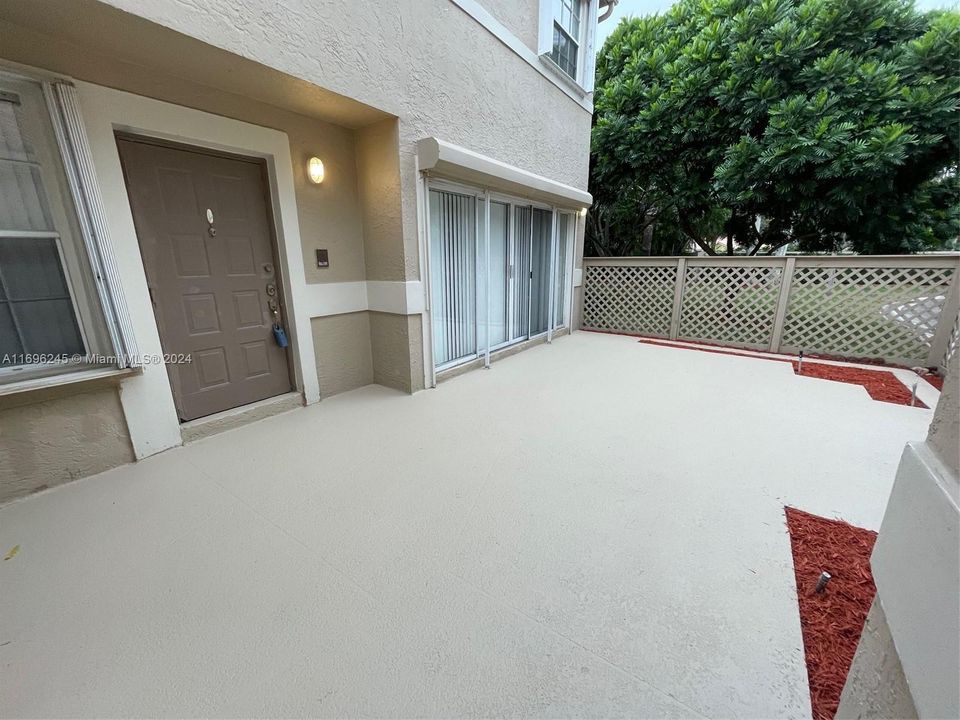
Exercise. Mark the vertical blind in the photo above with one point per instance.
(492, 287)
(453, 249)
(564, 240)
(520, 275)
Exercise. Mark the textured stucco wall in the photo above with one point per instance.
(876, 686)
(378, 163)
(521, 17)
(425, 61)
(342, 346)
(944, 435)
(392, 337)
(329, 214)
(49, 438)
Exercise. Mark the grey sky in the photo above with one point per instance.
(626, 8)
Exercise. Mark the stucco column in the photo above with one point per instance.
(908, 659)
(390, 251)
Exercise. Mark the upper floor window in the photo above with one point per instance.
(567, 33)
(567, 21)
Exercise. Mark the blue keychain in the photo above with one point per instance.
(280, 335)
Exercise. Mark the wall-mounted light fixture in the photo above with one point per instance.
(315, 170)
(583, 212)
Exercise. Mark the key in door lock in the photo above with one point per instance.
(271, 289)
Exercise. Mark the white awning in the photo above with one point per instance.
(457, 163)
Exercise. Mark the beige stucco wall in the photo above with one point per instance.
(391, 338)
(876, 686)
(342, 347)
(521, 17)
(378, 163)
(329, 214)
(944, 435)
(54, 436)
(424, 61)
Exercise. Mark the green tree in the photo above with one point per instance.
(831, 124)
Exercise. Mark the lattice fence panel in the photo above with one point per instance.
(629, 298)
(866, 312)
(734, 305)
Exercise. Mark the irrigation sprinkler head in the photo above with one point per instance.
(913, 395)
(822, 581)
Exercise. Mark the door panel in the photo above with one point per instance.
(540, 271)
(520, 273)
(453, 253)
(211, 283)
(499, 286)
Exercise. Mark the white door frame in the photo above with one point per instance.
(148, 398)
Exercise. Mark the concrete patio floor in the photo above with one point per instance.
(593, 528)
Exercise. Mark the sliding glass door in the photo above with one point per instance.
(497, 285)
(519, 293)
(498, 265)
(563, 268)
(541, 249)
(453, 276)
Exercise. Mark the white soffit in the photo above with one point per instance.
(456, 163)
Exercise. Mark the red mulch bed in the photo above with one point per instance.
(935, 380)
(879, 384)
(831, 621)
(653, 340)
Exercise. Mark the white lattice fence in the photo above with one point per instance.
(866, 312)
(899, 309)
(631, 299)
(733, 305)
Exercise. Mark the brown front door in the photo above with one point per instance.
(203, 225)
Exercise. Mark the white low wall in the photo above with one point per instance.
(916, 566)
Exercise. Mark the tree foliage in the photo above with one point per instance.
(825, 123)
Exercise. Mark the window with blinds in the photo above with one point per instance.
(453, 252)
(43, 277)
(492, 287)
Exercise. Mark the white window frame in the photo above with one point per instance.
(74, 150)
(586, 55)
(482, 197)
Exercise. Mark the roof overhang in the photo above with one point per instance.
(441, 158)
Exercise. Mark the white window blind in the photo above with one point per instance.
(61, 305)
(453, 249)
(498, 272)
(38, 320)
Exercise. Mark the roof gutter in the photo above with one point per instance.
(609, 5)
